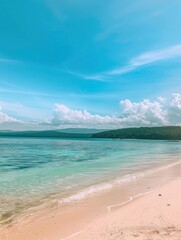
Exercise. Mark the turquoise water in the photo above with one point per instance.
(33, 171)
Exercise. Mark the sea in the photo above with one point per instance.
(34, 171)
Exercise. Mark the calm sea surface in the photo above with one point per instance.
(33, 171)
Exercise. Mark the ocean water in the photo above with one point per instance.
(35, 171)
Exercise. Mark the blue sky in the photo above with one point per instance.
(86, 56)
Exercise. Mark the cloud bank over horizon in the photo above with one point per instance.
(161, 112)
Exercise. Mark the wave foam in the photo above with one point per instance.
(87, 192)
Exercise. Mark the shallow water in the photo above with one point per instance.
(33, 171)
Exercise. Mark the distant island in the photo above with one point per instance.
(154, 133)
(61, 133)
(44, 134)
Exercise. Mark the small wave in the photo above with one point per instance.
(87, 192)
(94, 189)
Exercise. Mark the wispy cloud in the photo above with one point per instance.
(141, 60)
(148, 58)
(105, 34)
(56, 8)
(8, 60)
(28, 93)
(7, 84)
(96, 77)
(22, 111)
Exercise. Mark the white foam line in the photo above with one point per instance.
(139, 195)
(130, 200)
(85, 193)
(120, 204)
(72, 235)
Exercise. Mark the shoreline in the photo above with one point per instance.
(91, 191)
(108, 185)
(89, 210)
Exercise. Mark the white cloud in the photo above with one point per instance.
(152, 113)
(10, 123)
(141, 60)
(145, 113)
(133, 114)
(4, 118)
(80, 118)
(174, 110)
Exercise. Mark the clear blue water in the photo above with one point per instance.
(35, 170)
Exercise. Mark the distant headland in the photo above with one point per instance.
(154, 133)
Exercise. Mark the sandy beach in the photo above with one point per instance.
(154, 213)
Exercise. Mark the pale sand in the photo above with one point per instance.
(155, 216)
(148, 217)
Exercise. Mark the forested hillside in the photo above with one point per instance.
(160, 133)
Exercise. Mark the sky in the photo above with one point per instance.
(97, 64)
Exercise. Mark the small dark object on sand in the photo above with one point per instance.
(168, 204)
(159, 195)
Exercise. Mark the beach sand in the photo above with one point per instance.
(155, 214)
